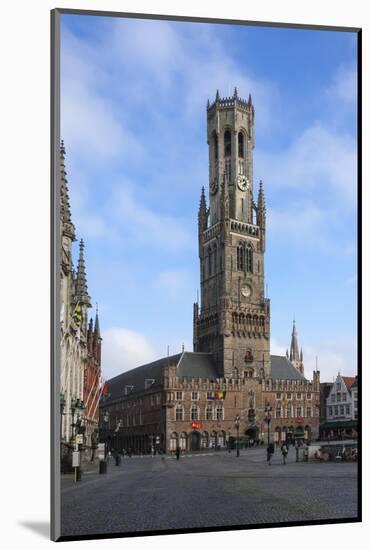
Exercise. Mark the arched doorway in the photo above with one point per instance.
(183, 441)
(307, 433)
(204, 440)
(195, 439)
(213, 440)
(252, 433)
(173, 441)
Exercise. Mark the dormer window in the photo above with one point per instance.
(148, 383)
(128, 390)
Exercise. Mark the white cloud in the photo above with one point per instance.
(344, 85)
(141, 222)
(318, 158)
(173, 282)
(124, 349)
(332, 356)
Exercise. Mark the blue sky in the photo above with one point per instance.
(133, 117)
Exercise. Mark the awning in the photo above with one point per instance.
(345, 424)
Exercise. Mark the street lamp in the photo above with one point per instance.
(268, 414)
(62, 403)
(237, 424)
(105, 425)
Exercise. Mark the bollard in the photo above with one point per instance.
(102, 467)
(78, 473)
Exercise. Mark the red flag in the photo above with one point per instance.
(105, 389)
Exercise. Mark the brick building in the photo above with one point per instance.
(192, 399)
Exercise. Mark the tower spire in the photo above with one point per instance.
(81, 284)
(294, 348)
(96, 324)
(235, 95)
(202, 212)
(65, 212)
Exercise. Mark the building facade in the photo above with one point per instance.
(341, 409)
(80, 343)
(230, 382)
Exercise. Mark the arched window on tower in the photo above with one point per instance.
(227, 143)
(209, 261)
(215, 145)
(240, 257)
(249, 259)
(240, 145)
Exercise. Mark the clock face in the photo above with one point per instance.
(214, 186)
(245, 291)
(243, 183)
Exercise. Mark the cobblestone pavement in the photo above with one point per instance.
(219, 489)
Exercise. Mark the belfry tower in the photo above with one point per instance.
(233, 321)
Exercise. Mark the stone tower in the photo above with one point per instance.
(234, 319)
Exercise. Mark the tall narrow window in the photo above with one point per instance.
(227, 144)
(209, 261)
(240, 258)
(215, 144)
(240, 145)
(249, 259)
(215, 260)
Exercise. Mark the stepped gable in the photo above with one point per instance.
(282, 369)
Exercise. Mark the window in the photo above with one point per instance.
(330, 411)
(219, 413)
(309, 396)
(240, 145)
(336, 409)
(298, 410)
(209, 261)
(195, 396)
(309, 411)
(341, 409)
(249, 259)
(278, 395)
(344, 396)
(240, 258)
(289, 396)
(179, 413)
(215, 143)
(194, 412)
(347, 409)
(278, 411)
(298, 396)
(209, 412)
(179, 395)
(288, 410)
(332, 398)
(338, 397)
(227, 144)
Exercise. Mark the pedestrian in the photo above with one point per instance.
(297, 450)
(177, 452)
(270, 452)
(284, 451)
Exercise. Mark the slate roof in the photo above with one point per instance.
(282, 369)
(189, 365)
(197, 365)
(136, 377)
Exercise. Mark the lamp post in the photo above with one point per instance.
(268, 415)
(237, 424)
(105, 424)
(62, 403)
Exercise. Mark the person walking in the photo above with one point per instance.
(270, 452)
(177, 452)
(284, 451)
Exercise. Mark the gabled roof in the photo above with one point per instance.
(348, 381)
(282, 369)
